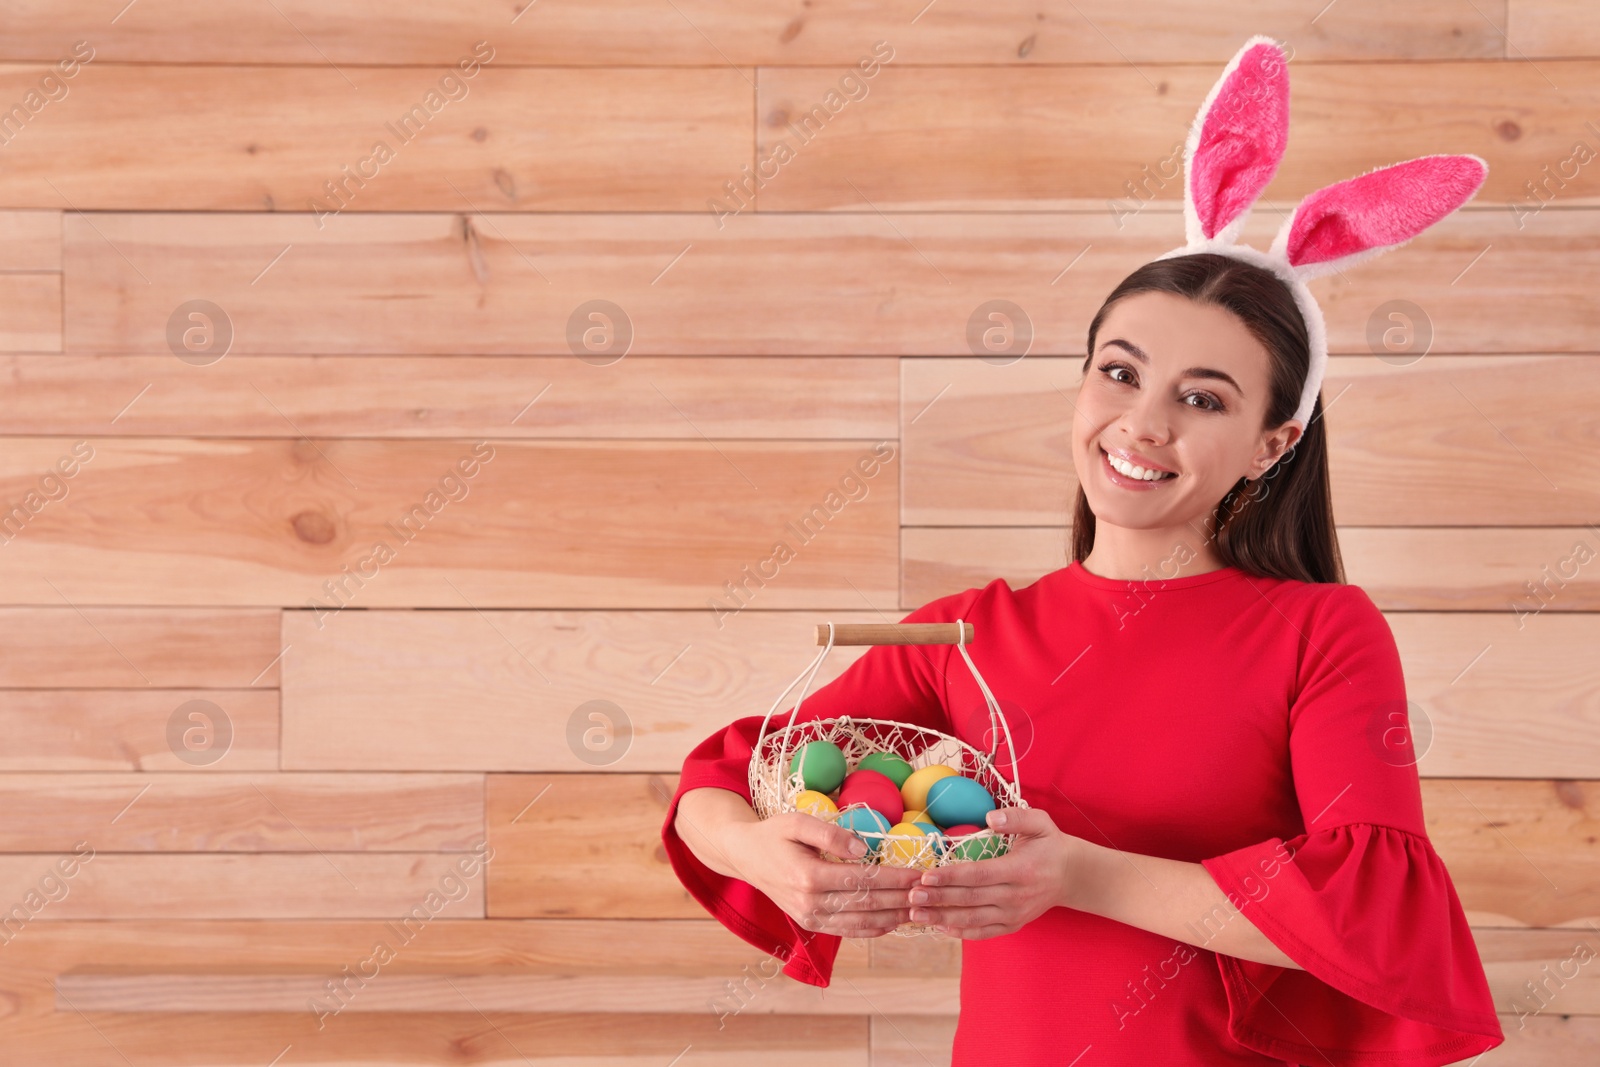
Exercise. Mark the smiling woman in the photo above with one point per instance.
(1195, 366)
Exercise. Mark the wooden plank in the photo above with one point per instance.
(384, 139)
(322, 885)
(460, 524)
(1503, 701)
(710, 32)
(30, 241)
(805, 284)
(987, 445)
(242, 812)
(1423, 568)
(624, 994)
(1543, 29)
(919, 138)
(367, 692)
(427, 1039)
(455, 396)
(1519, 853)
(33, 312)
(607, 830)
(92, 647)
(139, 730)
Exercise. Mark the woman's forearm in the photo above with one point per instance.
(704, 816)
(1168, 897)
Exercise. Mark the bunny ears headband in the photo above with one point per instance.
(1233, 149)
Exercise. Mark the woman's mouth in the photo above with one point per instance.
(1129, 476)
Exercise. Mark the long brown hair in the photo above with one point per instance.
(1281, 525)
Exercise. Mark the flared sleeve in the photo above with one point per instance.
(1357, 897)
(905, 683)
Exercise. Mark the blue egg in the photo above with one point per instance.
(933, 832)
(957, 801)
(857, 820)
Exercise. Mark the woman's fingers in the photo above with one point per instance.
(963, 918)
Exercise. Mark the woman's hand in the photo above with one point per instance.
(781, 856)
(993, 897)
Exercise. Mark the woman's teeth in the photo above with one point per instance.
(1129, 470)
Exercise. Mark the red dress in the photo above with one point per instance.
(1254, 725)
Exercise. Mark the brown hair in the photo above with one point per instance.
(1282, 524)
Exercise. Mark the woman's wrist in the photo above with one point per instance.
(709, 820)
(1085, 866)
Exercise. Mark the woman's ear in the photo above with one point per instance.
(1275, 445)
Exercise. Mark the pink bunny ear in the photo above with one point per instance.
(1236, 142)
(1361, 217)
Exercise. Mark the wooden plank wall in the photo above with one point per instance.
(284, 283)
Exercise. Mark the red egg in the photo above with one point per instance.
(962, 830)
(877, 791)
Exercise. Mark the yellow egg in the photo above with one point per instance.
(907, 846)
(915, 791)
(915, 816)
(814, 803)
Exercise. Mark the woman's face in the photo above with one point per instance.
(1177, 387)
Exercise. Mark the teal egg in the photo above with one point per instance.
(821, 765)
(956, 801)
(859, 820)
(933, 832)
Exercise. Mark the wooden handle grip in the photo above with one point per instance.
(895, 633)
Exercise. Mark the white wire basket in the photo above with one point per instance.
(773, 788)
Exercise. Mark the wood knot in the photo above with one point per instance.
(1570, 793)
(791, 31)
(1508, 130)
(1027, 45)
(480, 134)
(313, 527)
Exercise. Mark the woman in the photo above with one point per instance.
(1223, 860)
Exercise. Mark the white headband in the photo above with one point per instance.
(1233, 149)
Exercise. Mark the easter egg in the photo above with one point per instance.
(906, 847)
(875, 791)
(814, 803)
(820, 765)
(887, 764)
(932, 831)
(913, 815)
(978, 843)
(957, 801)
(914, 790)
(865, 820)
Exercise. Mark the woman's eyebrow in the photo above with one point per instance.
(1193, 372)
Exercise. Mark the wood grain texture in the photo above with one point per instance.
(65, 646)
(428, 1039)
(383, 139)
(1519, 853)
(606, 828)
(30, 241)
(138, 730)
(512, 691)
(1501, 444)
(456, 524)
(713, 32)
(609, 825)
(1543, 29)
(1421, 568)
(1502, 700)
(917, 138)
(638, 993)
(321, 885)
(762, 284)
(252, 813)
(33, 312)
(452, 396)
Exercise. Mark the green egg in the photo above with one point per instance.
(887, 764)
(820, 764)
(982, 846)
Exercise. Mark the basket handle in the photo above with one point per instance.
(956, 633)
